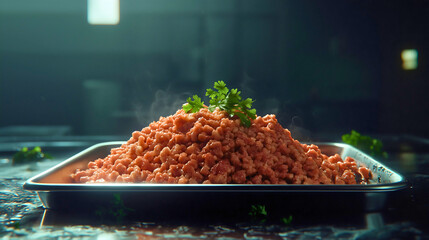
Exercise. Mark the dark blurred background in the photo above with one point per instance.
(324, 67)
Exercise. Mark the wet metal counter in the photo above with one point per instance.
(310, 215)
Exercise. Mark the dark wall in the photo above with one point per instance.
(323, 67)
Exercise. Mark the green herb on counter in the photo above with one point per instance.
(226, 100)
(16, 225)
(116, 209)
(25, 155)
(287, 220)
(365, 143)
(258, 212)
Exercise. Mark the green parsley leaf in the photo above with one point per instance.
(193, 105)
(212, 94)
(247, 103)
(244, 119)
(221, 87)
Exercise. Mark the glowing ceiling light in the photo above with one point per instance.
(409, 59)
(103, 12)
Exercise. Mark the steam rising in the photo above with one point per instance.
(165, 103)
(297, 130)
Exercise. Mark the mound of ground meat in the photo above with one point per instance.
(209, 147)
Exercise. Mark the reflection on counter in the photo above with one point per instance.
(361, 226)
(22, 214)
(407, 161)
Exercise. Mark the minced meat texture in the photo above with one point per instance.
(209, 147)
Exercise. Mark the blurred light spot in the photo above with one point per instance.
(4, 161)
(106, 236)
(409, 59)
(374, 221)
(103, 12)
(408, 162)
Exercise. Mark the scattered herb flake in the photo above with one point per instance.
(257, 210)
(287, 220)
(258, 213)
(17, 225)
(116, 210)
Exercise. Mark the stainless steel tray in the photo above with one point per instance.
(56, 191)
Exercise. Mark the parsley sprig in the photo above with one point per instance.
(365, 143)
(26, 155)
(226, 100)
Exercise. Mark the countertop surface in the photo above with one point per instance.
(23, 216)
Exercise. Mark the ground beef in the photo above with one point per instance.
(209, 147)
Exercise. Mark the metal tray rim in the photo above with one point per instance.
(33, 184)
